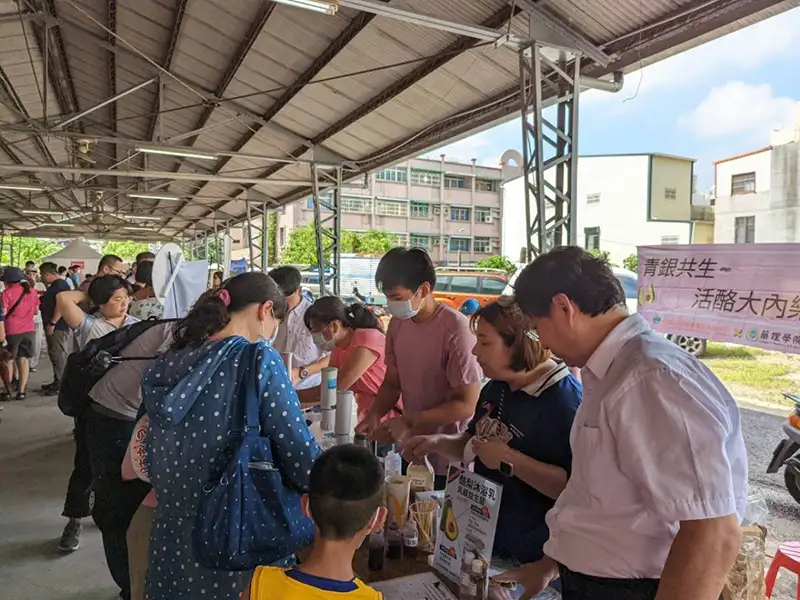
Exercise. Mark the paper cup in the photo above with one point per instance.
(398, 489)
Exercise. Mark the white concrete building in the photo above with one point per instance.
(758, 193)
(624, 201)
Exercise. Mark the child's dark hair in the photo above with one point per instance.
(219, 275)
(144, 273)
(210, 315)
(287, 278)
(104, 287)
(328, 309)
(408, 268)
(344, 491)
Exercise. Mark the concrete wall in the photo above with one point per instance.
(667, 175)
(623, 184)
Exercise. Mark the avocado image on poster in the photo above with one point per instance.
(449, 524)
(640, 296)
(650, 294)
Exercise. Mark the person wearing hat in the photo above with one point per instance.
(20, 304)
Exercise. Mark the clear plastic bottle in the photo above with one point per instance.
(479, 579)
(410, 538)
(394, 543)
(466, 589)
(377, 551)
(393, 464)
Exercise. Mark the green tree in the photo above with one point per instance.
(497, 262)
(301, 248)
(604, 254)
(631, 263)
(19, 250)
(127, 251)
(272, 237)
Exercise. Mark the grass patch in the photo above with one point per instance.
(753, 374)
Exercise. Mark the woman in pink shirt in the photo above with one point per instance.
(20, 305)
(354, 337)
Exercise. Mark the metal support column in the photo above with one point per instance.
(326, 194)
(257, 236)
(549, 150)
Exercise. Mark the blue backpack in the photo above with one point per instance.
(249, 517)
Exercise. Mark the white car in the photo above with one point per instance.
(629, 281)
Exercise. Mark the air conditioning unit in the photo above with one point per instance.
(488, 219)
(435, 240)
(437, 211)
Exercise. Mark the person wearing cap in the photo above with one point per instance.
(20, 304)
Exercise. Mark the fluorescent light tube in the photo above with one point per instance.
(140, 217)
(57, 225)
(179, 153)
(144, 229)
(320, 6)
(145, 196)
(41, 211)
(20, 188)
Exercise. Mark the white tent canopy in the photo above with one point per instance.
(76, 253)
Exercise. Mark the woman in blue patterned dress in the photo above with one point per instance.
(189, 396)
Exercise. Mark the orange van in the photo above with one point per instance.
(455, 285)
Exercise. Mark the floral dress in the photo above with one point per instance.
(189, 396)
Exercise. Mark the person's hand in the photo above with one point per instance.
(48, 329)
(418, 446)
(368, 426)
(491, 451)
(295, 375)
(397, 428)
(533, 577)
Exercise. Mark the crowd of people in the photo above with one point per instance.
(628, 481)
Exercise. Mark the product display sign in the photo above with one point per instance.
(468, 522)
(739, 293)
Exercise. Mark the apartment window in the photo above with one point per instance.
(487, 185)
(421, 241)
(482, 245)
(453, 181)
(745, 230)
(458, 213)
(357, 205)
(670, 239)
(459, 244)
(592, 198)
(396, 174)
(670, 194)
(391, 208)
(743, 183)
(423, 177)
(592, 238)
(399, 239)
(483, 214)
(324, 203)
(420, 210)
(282, 237)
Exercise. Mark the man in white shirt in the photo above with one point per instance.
(659, 475)
(293, 335)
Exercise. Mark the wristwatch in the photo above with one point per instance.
(506, 468)
(303, 373)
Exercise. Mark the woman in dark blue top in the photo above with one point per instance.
(519, 435)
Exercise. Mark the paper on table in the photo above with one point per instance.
(423, 586)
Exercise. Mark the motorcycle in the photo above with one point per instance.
(786, 454)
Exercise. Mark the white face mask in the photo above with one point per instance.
(402, 309)
(321, 343)
(271, 340)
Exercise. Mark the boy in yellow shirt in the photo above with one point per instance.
(344, 501)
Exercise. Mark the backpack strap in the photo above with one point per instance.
(252, 416)
(16, 304)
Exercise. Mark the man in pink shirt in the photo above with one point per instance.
(429, 357)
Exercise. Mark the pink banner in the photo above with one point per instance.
(739, 293)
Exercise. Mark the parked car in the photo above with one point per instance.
(629, 282)
(456, 285)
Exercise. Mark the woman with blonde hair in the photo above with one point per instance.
(519, 435)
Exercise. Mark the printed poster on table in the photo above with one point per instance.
(468, 521)
(738, 293)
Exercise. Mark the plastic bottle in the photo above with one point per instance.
(410, 538)
(393, 464)
(394, 543)
(377, 551)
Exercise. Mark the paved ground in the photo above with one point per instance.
(35, 461)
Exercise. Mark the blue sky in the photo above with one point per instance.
(714, 101)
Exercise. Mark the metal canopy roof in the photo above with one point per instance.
(258, 89)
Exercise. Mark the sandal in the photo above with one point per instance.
(20, 396)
